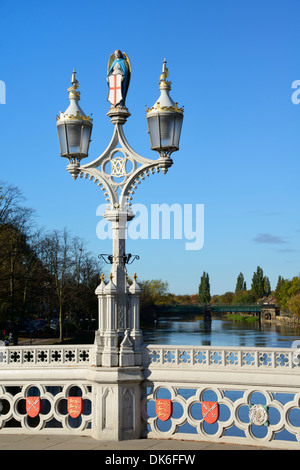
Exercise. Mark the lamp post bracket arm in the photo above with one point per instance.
(134, 179)
(98, 177)
(129, 150)
(111, 146)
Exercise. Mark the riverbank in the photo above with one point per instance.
(241, 317)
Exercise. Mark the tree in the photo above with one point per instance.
(15, 228)
(154, 292)
(244, 298)
(257, 285)
(267, 286)
(288, 289)
(204, 289)
(240, 283)
(74, 276)
(294, 304)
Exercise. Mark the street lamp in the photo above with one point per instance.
(165, 120)
(74, 130)
(118, 171)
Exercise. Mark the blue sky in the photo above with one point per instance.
(231, 63)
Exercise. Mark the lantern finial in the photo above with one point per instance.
(163, 82)
(72, 90)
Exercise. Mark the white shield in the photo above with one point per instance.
(115, 90)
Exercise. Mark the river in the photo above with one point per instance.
(191, 330)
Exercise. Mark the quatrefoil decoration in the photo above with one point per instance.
(118, 167)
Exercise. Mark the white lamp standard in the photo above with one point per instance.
(117, 172)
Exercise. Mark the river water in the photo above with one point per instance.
(191, 330)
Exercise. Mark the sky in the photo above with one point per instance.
(232, 65)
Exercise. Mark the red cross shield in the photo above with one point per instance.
(210, 411)
(33, 406)
(75, 406)
(163, 408)
(114, 90)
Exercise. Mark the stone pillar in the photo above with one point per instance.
(99, 341)
(126, 355)
(136, 333)
(118, 219)
(110, 336)
(117, 402)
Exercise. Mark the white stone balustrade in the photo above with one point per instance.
(45, 356)
(216, 357)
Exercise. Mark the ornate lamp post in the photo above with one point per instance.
(117, 172)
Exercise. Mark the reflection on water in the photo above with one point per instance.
(192, 330)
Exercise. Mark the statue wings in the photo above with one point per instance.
(128, 64)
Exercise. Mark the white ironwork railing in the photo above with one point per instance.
(199, 357)
(232, 380)
(46, 356)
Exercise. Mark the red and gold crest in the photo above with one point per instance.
(33, 406)
(210, 411)
(75, 406)
(163, 409)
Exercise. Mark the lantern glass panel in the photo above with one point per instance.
(178, 125)
(85, 140)
(167, 123)
(153, 126)
(62, 139)
(74, 135)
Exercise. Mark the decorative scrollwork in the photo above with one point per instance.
(120, 183)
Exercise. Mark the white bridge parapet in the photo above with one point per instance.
(199, 357)
(46, 356)
(236, 378)
(120, 402)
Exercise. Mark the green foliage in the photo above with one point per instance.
(240, 283)
(257, 285)
(260, 284)
(244, 298)
(287, 294)
(204, 289)
(294, 304)
(154, 292)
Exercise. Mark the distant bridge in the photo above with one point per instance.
(266, 311)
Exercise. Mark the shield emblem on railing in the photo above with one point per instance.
(33, 406)
(163, 409)
(75, 406)
(210, 411)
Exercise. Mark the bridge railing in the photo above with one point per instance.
(220, 357)
(231, 380)
(231, 395)
(45, 356)
(193, 308)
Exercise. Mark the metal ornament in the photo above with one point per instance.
(163, 408)
(75, 406)
(210, 411)
(33, 406)
(258, 415)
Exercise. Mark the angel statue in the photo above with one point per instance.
(118, 78)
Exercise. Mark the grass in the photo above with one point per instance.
(239, 317)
